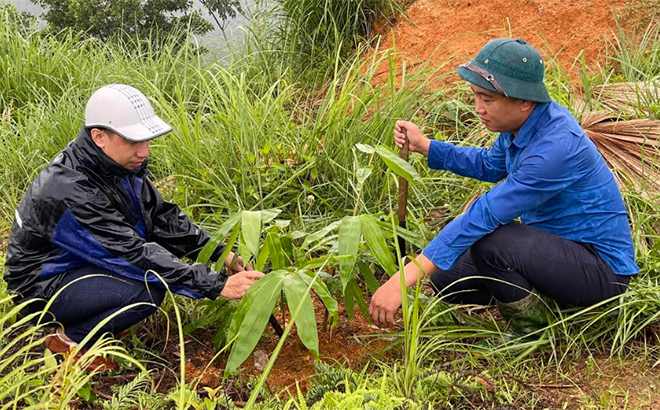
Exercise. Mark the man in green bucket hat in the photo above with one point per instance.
(572, 242)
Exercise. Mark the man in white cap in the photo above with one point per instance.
(93, 211)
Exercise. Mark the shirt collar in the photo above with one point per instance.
(528, 129)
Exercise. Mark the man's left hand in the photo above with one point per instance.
(238, 264)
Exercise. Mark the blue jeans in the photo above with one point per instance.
(83, 304)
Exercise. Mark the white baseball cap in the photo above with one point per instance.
(125, 111)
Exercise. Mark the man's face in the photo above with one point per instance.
(128, 154)
(499, 113)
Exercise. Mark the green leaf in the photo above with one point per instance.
(298, 299)
(368, 276)
(398, 165)
(349, 242)
(251, 230)
(85, 392)
(50, 362)
(362, 174)
(228, 247)
(320, 234)
(251, 317)
(289, 250)
(367, 149)
(206, 252)
(316, 263)
(277, 256)
(359, 298)
(267, 215)
(376, 242)
(348, 302)
(264, 253)
(324, 294)
(282, 223)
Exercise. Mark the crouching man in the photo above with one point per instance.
(573, 241)
(93, 211)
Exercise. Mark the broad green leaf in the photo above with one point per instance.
(267, 215)
(282, 223)
(289, 250)
(251, 229)
(264, 253)
(216, 238)
(399, 166)
(316, 262)
(85, 392)
(299, 300)
(251, 317)
(359, 298)
(49, 359)
(248, 299)
(228, 247)
(320, 234)
(349, 242)
(414, 238)
(367, 149)
(362, 174)
(324, 294)
(277, 256)
(375, 239)
(368, 276)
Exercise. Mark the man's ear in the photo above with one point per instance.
(527, 106)
(99, 137)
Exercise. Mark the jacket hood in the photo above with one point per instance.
(92, 157)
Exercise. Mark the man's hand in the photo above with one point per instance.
(239, 283)
(387, 299)
(238, 264)
(417, 141)
(385, 303)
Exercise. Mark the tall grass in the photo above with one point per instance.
(261, 131)
(237, 144)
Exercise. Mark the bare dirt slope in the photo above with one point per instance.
(438, 30)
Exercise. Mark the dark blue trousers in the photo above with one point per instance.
(516, 258)
(84, 303)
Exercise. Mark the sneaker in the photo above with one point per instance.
(59, 343)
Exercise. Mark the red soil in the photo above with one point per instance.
(295, 364)
(565, 30)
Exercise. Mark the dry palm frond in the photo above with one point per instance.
(631, 148)
(632, 98)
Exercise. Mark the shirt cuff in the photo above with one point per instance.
(438, 151)
(219, 282)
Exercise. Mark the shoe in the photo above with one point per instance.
(59, 343)
(525, 316)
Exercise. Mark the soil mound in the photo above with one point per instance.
(563, 30)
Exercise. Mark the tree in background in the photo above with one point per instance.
(153, 20)
(21, 20)
(222, 11)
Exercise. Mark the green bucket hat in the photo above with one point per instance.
(510, 67)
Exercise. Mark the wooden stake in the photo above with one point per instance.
(404, 154)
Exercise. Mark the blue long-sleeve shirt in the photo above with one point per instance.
(554, 179)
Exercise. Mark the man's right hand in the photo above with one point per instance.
(238, 283)
(417, 141)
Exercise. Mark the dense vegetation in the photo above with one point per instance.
(288, 136)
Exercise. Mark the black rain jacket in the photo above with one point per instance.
(86, 210)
